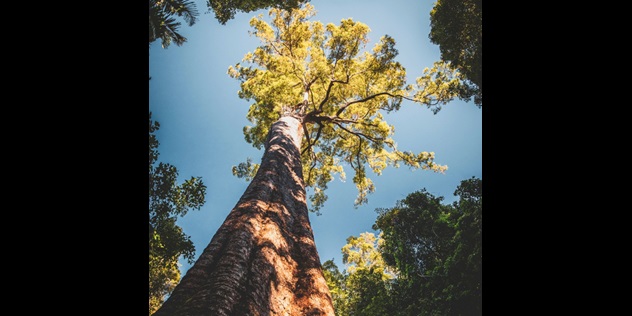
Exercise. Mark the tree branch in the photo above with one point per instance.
(311, 167)
(359, 151)
(373, 139)
(306, 132)
(307, 87)
(331, 84)
(344, 107)
(310, 144)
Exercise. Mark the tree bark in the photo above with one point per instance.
(263, 259)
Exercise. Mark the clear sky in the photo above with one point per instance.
(201, 119)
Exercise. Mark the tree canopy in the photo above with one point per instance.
(457, 27)
(341, 90)
(436, 250)
(167, 241)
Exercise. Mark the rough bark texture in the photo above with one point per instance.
(262, 260)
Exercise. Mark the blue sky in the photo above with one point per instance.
(201, 119)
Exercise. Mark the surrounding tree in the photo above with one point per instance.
(436, 250)
(225, 9)
(163, 13)
(426, 260)
(164, 275)
(167, 241)
(457, 27)
(361, 253)
(416, 236)
(443, 83)
(162, 20)
(318, 102)
(463, 267)
(365, 286)
(368, 277)
(336, 281)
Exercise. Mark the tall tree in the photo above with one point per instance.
(167, 241)
(318, 102)
(323, 76)
(457, 27)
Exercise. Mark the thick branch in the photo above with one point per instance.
(344, 107)
(373, 139)
(307, 87)
(331, 84)
(359, 151)
(310, 144)
(311, 167)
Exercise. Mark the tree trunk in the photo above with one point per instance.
(262, 260)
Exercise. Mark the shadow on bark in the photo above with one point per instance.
(262, 260)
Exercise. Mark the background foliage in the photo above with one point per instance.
(427, 259)
(167, 241)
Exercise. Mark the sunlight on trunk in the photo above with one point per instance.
(263, 259)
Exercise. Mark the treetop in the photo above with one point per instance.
(340, 90)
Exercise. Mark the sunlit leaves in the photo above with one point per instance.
(363, 184)
(336, 282)
(362, 253)
(164, 275)
(363, 288)
(326, 76)
(441, 84)
(346, 40)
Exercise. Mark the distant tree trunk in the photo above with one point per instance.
(262, 260)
